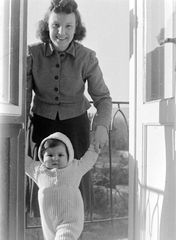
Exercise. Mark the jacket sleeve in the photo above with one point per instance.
(99, 92)
(29, 84)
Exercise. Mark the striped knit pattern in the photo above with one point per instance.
(60, 200)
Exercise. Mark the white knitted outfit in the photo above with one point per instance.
(60, 200)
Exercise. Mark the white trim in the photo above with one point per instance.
(132, 119)
(10, 109)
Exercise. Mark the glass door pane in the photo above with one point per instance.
(158, 64)
(4, 50)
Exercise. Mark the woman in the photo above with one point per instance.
(57, 70)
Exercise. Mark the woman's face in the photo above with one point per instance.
(61, 29)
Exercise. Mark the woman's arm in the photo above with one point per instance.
(29, 85)
(100, 94)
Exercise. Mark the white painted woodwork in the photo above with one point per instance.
(152, 202)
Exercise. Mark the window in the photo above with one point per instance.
(158, 57)
(10, 81)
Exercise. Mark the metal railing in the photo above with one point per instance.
(118, 110)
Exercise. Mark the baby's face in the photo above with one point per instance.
(55, 157)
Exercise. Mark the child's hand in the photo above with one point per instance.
(92, 147)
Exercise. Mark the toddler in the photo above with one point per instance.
(58, 176)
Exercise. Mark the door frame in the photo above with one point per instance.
(12, 121)
(132, 117)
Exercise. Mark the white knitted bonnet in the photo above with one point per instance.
(64, 139)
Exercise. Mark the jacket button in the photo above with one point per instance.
(56, 77)
(56, 98)
(57, 65)
(56, 89)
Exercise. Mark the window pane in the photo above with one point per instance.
(159, 58)
(4, 50)
(9, 52)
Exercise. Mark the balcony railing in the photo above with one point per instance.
(109, 177)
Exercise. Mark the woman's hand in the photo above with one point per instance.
(101, 138)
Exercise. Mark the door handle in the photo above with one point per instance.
(167, 40)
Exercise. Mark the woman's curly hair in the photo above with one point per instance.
(61, 6)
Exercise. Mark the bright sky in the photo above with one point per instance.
(107, 24)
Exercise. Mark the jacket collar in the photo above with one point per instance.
(49, 49)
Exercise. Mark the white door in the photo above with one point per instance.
(152, 203)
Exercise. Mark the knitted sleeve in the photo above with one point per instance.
(88, 160)
(31, 167)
